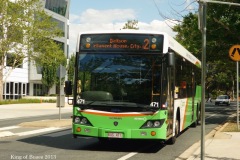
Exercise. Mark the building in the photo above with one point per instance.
(26, 79)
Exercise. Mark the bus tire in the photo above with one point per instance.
(198, 117)
(173, 139)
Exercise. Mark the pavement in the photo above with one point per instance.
(219, 145)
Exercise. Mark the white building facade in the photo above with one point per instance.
(26, 79)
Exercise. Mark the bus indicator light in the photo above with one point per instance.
(78, 129)
(153, 133)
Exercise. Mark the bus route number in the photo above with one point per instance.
(80, 101)
(154, 104)
(146, 44)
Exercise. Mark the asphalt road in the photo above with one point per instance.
(61, 146)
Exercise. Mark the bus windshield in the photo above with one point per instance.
(118, 77)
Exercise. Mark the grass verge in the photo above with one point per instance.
(21, 101)
(231, 126)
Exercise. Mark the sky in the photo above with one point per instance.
(89, 15)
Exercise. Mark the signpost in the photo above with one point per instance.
(61, 72)
(234, 54)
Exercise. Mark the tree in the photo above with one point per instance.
(70, 68)
(27, 32)
(131, 24)
(221, 35)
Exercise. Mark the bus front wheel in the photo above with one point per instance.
(173, 139)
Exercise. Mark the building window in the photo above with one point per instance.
(60, 44)
(68, 51)
(28, 89)
(61, 26)
(24, 89)
(57, 6)
(38, 90)
(7, 88)
(67, 31)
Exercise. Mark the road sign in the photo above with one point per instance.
(61, 71)
(234, 52)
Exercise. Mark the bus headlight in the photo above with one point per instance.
(81, 120)
(157, 124)
(149, 124)
(76, 120)
(84, 121)
(153, 124)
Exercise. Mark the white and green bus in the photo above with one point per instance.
(134, 84)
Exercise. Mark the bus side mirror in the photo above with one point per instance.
(68, 88)
(171, 59)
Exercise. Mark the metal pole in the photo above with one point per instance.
(60, 76)
(203, 77)
(237, 96)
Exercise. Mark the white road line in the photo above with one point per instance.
(58, 134)
(37, 131)
(6, 134)
(129, 155)
(9, 128)
(211, 116)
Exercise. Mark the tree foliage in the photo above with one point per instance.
(223, 23)
(71, 67)
(131, 24)
(27, 32)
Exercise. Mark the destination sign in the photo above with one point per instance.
(121, 42)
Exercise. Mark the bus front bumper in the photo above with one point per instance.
(89, 131)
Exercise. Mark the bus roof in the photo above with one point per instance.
(169, 42)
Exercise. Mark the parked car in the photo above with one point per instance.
(223, 99)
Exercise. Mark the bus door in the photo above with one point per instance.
(170, 99)
(193, 93)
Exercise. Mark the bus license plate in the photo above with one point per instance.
(115, 135)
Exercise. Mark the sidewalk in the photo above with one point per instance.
(31, 110)
(13, 111)
(219, 145)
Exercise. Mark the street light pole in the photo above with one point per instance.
(203, 28)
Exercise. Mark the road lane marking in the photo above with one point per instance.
(129, 155)
(58, 134)
(211, 116)
(6, 134)
(9, 128)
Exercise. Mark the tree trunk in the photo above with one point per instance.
(1, 77)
